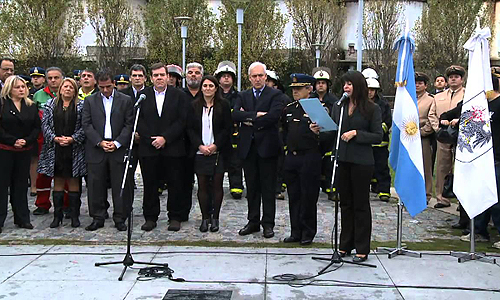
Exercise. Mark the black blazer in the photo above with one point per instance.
(94, 119)
(264, 131)
(171, 125)
(221, 121)
(130, 92)
(14, 124)
(359, 149)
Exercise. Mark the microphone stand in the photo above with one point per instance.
(336, 258)
(128, 261)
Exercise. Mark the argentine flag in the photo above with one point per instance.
(406, 148)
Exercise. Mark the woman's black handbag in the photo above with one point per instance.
(448, 186)
(447, 135)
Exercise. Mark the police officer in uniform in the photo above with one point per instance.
(226, 74)
(381, 181)
(122, 81)
(37, 80)
(322, 92)
(302, 168)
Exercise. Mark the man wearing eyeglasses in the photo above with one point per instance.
(6, 69)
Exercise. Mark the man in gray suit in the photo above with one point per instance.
(107, 120)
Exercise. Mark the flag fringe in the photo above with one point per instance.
(400, 84)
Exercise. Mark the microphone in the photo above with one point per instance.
(343, 98)
(142, 97)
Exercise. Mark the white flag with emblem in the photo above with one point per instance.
(474, 181)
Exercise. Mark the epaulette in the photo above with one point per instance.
(291, 103)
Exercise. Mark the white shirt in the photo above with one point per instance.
(108, 104)
(207, 132)
(136, 91)
(160, 98)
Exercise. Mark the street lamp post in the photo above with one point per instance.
(359, 59)
(318, 52)
(240, 9)
(184, 35)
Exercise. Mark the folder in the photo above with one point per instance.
(318, 114)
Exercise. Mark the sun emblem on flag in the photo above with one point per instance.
(410, 129)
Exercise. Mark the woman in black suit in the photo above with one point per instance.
(361, 127)
(19, 128)
(209, 131)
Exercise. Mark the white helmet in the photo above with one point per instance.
(225, 67)
(370, 73)
(372, 83)
(272, 75)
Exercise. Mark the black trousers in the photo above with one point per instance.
(235, 171)
(381, 173)
(153, 169)
(354, 188)
(326, 172)
(302, 176)
(260, 175)
(15, 170)
(279, 172)
(109, 170)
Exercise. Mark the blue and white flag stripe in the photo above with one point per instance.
(406, 146)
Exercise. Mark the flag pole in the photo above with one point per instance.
(400, 250)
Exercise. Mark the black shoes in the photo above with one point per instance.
(40, 211)
(236, 195)
(249, 228)
(268, 232)
(94, 226)
(120, 226)
(25, 225)
(344, 253)
(291, 239)
(174, 225)
(57, 220)
(148, 226)
(459, 226)
(359, 259)
(204, 225)
(441, 205)
(214, 225)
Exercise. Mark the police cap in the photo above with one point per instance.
(122, 78)
(458, 70)
(300, 80)
(37, 71)
(322, 73)
(420, 76)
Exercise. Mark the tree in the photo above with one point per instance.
(163, 32)
(43, 32)
(262, 35)
(317, 21)
(443, 29)
(118, 32)
(382, 28)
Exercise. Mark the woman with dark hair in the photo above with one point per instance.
(19, 128)
(63, 152)
(361, 127)
(210, 129)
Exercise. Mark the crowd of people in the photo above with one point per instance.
(67, 130)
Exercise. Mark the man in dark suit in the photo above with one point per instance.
(259, 109)
(162, 127)
(107, 120)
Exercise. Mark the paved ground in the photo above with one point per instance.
(430, 224)
(68, 272)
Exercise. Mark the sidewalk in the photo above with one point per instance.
(68, 272)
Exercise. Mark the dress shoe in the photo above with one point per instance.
(120, 226)
(249, 228)
(94, 226)
(174, 225)
(214, 225)
(441, 205)
(306, 242)
(236, 195)
(148, 226)
(459, 226)
(291, 239)
(359, 259)
(204, 225)
(40, 211)
(25, 225)
(268, 232)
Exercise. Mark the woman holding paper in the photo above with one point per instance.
(360, 128)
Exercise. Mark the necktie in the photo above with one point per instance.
(257, 95)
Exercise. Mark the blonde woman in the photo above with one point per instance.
(19, 128)
(63, 152)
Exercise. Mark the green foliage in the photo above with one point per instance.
(163, 32)
(443, 29)
(117, 29)
(262, 35)
(382, 27)
(40, 31)
(317, 21)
